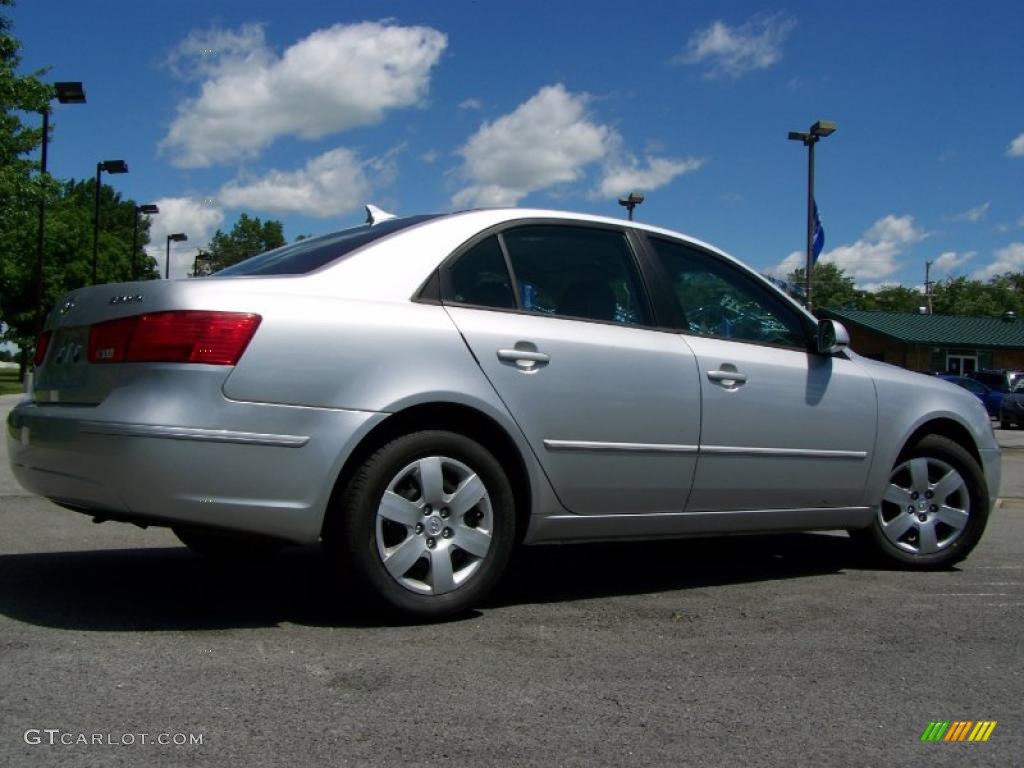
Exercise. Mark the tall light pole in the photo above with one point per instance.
(818, 131)
(928, 283)
(178, 237)
(110, 166)
(631, 201)
(67, 93)
(149, 209)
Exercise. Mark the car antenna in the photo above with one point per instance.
(375, 215)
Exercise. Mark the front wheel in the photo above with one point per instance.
(426, 526)
(934, 508)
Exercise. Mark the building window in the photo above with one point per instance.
(960, 362)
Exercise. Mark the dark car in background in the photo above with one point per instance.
(991, 398)
(1011, 409)
(1000, 379)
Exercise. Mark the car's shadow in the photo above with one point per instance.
(172, 589)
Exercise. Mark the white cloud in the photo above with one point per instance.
(895, 229)
(791, 263)
(330, 184)
(549, 140)
(975, 214)
(1016, 148)
(734, 51)
(197, 218)
(1008, 259)
(337, 78)
(546, 140)
(625, 176)
(876, 287)
(950, 260)
(870, 258)
(471, 104)
(205, 52)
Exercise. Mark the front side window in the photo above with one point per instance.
(716, 299)
(581, 272)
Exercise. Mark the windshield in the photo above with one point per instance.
(315, 252)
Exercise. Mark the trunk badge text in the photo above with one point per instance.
(136, 299)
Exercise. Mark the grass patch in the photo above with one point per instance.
(10, 384)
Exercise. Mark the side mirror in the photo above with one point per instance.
(832, 337)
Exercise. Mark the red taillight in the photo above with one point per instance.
(41, 344)
(214, 338)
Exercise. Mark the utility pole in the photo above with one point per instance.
(818, 131)
(928, 284)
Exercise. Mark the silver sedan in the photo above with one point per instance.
(426, 393)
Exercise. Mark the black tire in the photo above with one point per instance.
(1005, 424)
(227, 545)
(941, 454)
(357, 542)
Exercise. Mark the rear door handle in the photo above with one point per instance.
(727, 378)
(525, 359)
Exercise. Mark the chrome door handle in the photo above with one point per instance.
(727, 378)
(524, 359)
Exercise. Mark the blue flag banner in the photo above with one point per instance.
(818, 243)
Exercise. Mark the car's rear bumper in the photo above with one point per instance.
(129, 463)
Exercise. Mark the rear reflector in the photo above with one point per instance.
(41, 344)
(213, 338)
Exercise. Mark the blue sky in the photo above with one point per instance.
(304, 111)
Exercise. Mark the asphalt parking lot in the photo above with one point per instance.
(787, 650)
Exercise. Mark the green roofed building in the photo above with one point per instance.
(935, 342)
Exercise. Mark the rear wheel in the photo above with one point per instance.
(1005, 423)
(426, 525)
(934, 508)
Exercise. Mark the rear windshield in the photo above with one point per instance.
(308, 255)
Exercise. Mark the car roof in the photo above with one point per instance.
(395, 267)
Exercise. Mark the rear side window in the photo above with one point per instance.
(308, 255)
(582, 272)
(557, 270)
(480, 277)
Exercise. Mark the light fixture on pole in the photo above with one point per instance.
(201, 256)
(631, 201)
(818, 131)
(66, 93)
(178, 237)
(149, 209)
(110, 166)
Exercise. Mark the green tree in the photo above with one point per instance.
(893, 298)
(68, 253)
(960, 296)
(831, 287)
(20, 191)
(248, 237)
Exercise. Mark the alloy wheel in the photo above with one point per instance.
(926, 506)
(434, 525)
